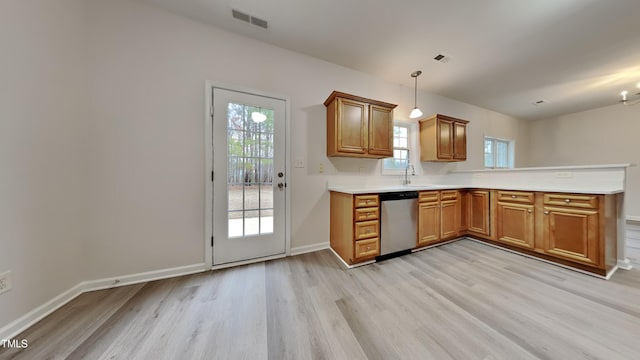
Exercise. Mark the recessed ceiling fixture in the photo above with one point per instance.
(415, 113)
(237, 14)
(626, 101)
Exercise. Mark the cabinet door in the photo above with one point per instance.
(478, 202)
(351, 127)
(428, 223)
(572, 234)
(449, 217)
(445, 139)
(464, 211)
(516, 224)
(459, 141)
(380, 131)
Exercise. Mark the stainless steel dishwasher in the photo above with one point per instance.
(398, 223)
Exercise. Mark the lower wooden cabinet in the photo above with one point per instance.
(478, 212)
(354, 231)
(516, 219)
(428, 223)
(572, 234)
(365, 249)
(449, 219)
(438, 216)
(578, 230)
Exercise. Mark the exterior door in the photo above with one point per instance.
(249, 179)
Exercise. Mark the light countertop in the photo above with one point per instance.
(368, 189)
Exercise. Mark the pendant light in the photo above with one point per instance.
(415, 113)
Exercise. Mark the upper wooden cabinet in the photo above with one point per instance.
(443, 138)
(359, 127)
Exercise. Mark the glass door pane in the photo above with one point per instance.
(250, 170)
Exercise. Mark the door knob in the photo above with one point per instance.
(280, 186)
(280, 174)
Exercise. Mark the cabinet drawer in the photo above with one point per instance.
(427, 196)
(366, 200)
(366, 229)
(516, 196)
(367, 248)
(449, 195)
(364, 214)
(572, 200)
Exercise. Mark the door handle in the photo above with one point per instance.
(280, 186)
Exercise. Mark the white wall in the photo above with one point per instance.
(148, 69)
(607, 135)
(42, 150)
(102, 145)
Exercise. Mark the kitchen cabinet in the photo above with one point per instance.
(428, 218)
(478, 212)
(438, 216)
(516, 218)
(572, 227)
(354, 231)
(575, 230)
(359, 127)
(443, 138)
(449, 214)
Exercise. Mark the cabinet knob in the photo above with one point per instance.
(513, 196)
(368, 248)
(567, 200)
(546, 213)
(529, 211)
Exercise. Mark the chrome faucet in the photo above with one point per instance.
(406, 174)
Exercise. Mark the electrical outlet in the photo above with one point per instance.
(5, 282)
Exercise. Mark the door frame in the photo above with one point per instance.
(208, 167)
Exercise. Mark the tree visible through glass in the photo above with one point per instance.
(249, 171)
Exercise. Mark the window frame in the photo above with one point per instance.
(510, 152)
(412, 129)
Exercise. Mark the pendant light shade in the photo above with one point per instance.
(415, 113)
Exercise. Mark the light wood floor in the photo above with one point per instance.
(463, 300)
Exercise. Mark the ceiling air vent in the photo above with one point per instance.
(249, 19)
(442, 58)
(240, 15)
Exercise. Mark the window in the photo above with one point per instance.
(498, 153)
(403, 145)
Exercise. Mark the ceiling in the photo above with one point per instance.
(504, 55)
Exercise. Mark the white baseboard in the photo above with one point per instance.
(24, 322)
(308, 248)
